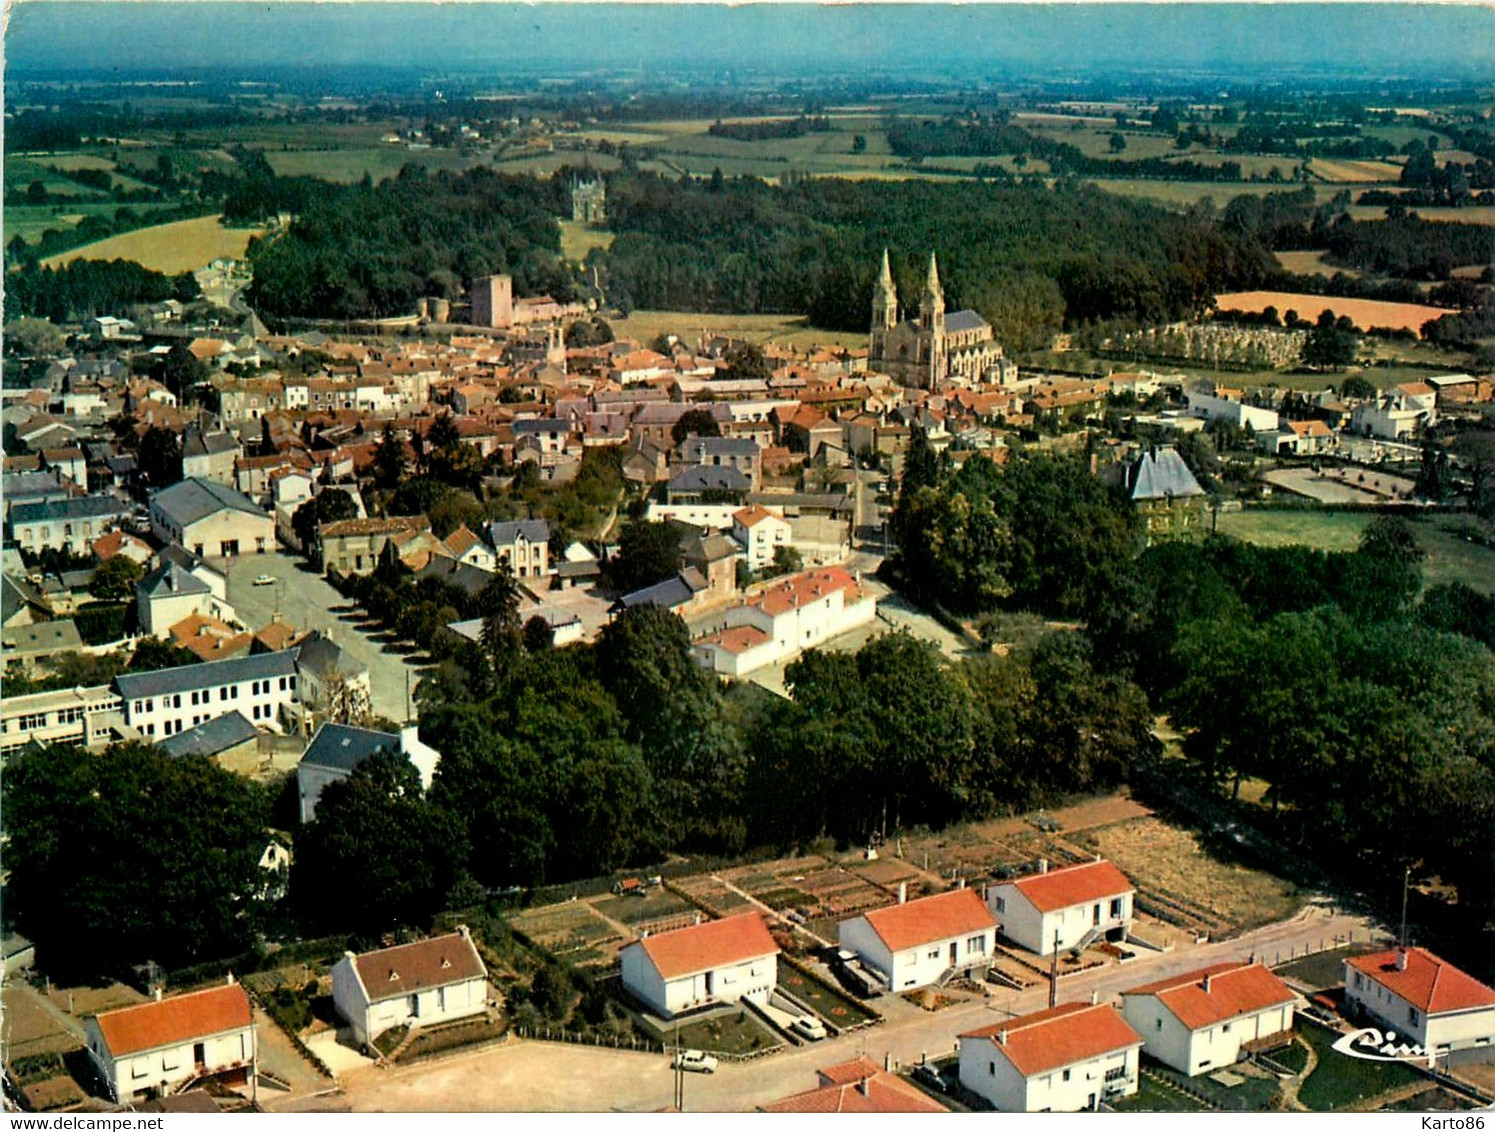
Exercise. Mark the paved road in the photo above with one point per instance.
(306, 601)
(546, 1077)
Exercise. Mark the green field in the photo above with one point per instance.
(1340, 1081)
(578, 239)
(1449, 558)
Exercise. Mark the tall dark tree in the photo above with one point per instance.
(330, 505)
(648, 552)
(389, 459)
(694, 422)
(160, 458)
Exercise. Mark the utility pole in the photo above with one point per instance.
(1406, 884)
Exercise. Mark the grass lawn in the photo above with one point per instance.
(578, 239)
(184, 245)
(1434, 1100)
(1293, 1058)
(734, 1031)
(1253, 1094)
(1340, 1081)
(834, 1006)
(1153, 1097)
(1326, 969)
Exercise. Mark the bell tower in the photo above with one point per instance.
(884, 298)
(932, 303)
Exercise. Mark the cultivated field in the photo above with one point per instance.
(1365, 313)
(184, 245)
(1311, 263)
(1340, 172)
(1478, 214)
(788, 329)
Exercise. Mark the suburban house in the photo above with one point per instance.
(858, 1085)
(353, 546)
(1399, 413)
(152, 1050)
(524, 545)
(209, 456)
(416, 984)
(714, 962)
(1204, 1020)
(468, 549)
(64, 524)
(1059, 909)
(1422, 998)
(211, 519)
(1066, 1059)
(169, 595)
(169, 700)
(337, 749)
(331, 680)
(724, 452)
(760, 532)
(778, 621)
(918, 942)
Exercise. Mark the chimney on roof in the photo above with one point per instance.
(1094, 998)
(887, 1062)
(961, 883)
(229, 981)
(1401, 958)
(697, 919)
(903, 892)
(1208, 979)
(1043, 865)
(862, 1085)
(1001, 1037)
(156, 993)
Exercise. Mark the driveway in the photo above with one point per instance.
(306, 601)
(524, 1076)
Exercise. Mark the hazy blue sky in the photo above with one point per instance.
(1421, 40)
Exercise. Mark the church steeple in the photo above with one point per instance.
(884, 298)
(932, 304)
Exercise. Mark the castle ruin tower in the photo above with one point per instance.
(884, 298)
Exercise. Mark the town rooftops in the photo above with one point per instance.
(708, 946)
(397, 972)
(1310, 428)
(64, 510)
(338, 746)
(930, 919)
(1073, 884)
(187, 677)
(1427, 982)
(701, 447)
(175, 1021)
(211, 738)
(169, 579)
(187, 502)
(738, 639)
(1161, 473)
(1051, 1039)
(859, 1085)
(507, 533)
(1218, 993)
(1416, 388)
(667, 594)
(208, 444)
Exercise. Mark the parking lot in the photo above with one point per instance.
(306, 601)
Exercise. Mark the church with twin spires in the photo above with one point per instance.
(935, 348)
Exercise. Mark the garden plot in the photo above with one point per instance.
(712, 896)
(573, 932)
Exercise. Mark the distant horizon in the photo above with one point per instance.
(1394, 42)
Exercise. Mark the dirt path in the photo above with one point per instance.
(1291, 1087)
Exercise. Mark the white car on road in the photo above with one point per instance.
(264, 580)
(695, 1061)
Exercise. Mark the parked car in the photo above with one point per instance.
(264, 580)
(929, 1077)
(695, 1061)
(808, 1026)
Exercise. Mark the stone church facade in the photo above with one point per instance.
(934, 348)
(589, 202)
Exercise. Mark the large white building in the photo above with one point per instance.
(211, 520)
(1067, 1059)
(170, 700)
(913, 944)
(64, 524)
(715, 962)
(1056, 909)
(152, 1050)
(1201, 1020)
(777, 622)
(1422, 998)
(416, 984)
(89, 716)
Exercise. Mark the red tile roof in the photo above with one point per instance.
(707, 946)
(805, 589)
(175, 1021)
(1073, 884)
(752, 516)
(1428, 983)
(931, 918)
(857, 1086)
(1065, 1035)
(739, 639)
(439, 962)
(1219, 993)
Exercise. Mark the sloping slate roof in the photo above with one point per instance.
(1429, 983)
(930, 919)
(1161, 474)
(212, 737)
(504, 534)
(186, 677)
(1218, 993)
(704, 477)
(1052, 1039)
(191, 500)
(709, 946)
(173, 580)
(338, 746)
(323, 658)
(666, 594)
(399, 971)
(175, 1021)
(700, 446)
(958, 321)
(53, 510)
(55, 636)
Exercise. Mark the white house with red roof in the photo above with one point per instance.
(915, 943)
(776, 622)
(156, 1048)
(719, 961)
(1421, 997)
(1066, 1059)
(1057, 909)
(761, 532)
(415, 984)
(1200, 1021)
